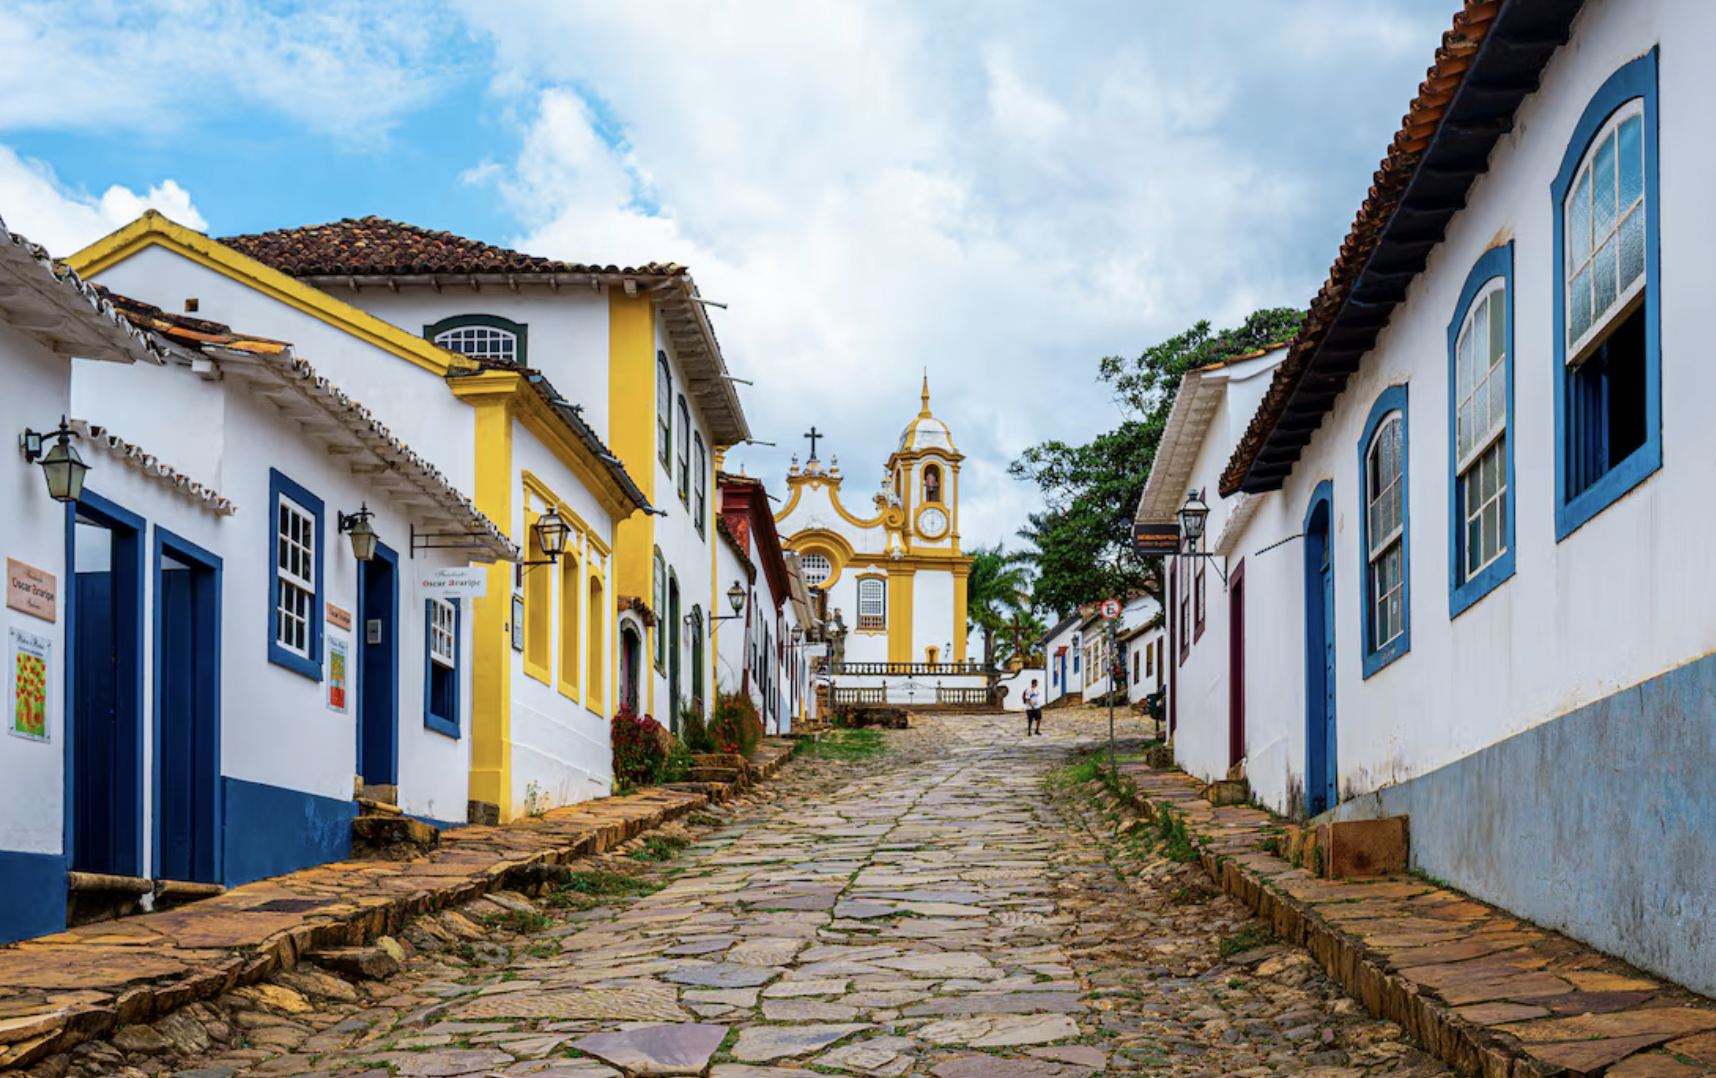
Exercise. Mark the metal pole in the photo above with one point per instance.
(1111, 643)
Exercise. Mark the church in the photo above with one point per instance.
(893, 570)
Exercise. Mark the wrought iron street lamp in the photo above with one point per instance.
(1194, 518)
(363, 536)
(61, 465)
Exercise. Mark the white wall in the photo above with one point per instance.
(933, 615)
(561, 744)
(32, 530)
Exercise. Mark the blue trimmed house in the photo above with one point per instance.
(1480, 483)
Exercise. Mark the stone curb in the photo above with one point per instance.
(27, 1039)
(1470, 1048)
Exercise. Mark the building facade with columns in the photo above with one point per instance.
(894, 570)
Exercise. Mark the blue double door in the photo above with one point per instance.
(1321, 772)
(106, 625)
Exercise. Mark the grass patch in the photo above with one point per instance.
(543, 950)
(1248, 938)
(517, 921)
(1191, 896)
(704, 819)
(607, 883)
(862, 744)
(1176, 840)
(659, 848)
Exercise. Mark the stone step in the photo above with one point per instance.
(392, 838)
(715, 774)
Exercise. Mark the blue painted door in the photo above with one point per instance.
(1320, 771)
(1330, 795)
(378, 668)
(187, 736)
(104, 770)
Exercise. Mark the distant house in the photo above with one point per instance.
(1063, 652)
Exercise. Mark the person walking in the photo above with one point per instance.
(1033, 701)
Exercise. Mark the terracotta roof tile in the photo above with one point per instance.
(378, 247)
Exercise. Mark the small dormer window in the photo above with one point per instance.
(483, 337)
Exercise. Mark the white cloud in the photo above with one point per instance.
(34, 203)
(1002, 194)
(345, 68)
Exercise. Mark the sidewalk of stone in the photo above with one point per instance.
(1492, 994)
(61, 990)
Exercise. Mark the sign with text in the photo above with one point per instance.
(468, 582)
(28, 675)
(30, 590)
(1155, 540)
(339, 617)
(816, 651)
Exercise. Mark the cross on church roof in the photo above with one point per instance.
(813, 434)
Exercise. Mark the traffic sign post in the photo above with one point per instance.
(1111, 611)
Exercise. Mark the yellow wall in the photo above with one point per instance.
(491, 673)
(900, 586)
(631, 435)
(961, 574)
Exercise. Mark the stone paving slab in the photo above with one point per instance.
(60, 990)
(1483, 989)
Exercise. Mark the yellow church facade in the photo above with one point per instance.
(895, 572)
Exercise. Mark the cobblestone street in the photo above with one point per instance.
(951, 907)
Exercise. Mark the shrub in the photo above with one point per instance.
(676, 765)
(693, 731)
(640, 749)
(735, 727)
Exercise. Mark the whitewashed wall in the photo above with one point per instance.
(561, 745)
(32, 530)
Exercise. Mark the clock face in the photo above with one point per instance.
(932, 522)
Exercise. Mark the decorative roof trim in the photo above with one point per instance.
(137, 458)
(84, 323)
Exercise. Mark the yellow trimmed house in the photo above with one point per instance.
(896, 577)
(544, 681)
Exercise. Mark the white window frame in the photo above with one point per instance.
(877, 600)
(1391, 542)
(1580, 348)
(664, 411)
(814, 562)
(483, 337)
(443, 634)
(1491, 304)
(290, 583)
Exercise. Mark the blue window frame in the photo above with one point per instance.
(294, 577)
(1480, 432)
(1385, 530)
(441, 654)
(1608, 288)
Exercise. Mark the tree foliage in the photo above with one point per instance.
(999, 585)
(1082, 541)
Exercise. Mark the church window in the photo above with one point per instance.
(483, 337)
(684, 453)
(817, 570)
(664, 411)
(932, 484)
(872, 604)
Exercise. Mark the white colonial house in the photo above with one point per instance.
(1204, 642)
(1489, 452)
(1107, 648)
(548, 645)
(1063, 654)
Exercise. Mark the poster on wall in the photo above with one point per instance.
(339, 673)
(27, 669)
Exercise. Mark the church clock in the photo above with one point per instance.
(932, 523)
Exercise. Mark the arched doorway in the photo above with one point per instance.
(1321, 772)
(631, 655)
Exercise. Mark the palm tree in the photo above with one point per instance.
(999, 583)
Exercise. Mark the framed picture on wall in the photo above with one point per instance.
(517, 622)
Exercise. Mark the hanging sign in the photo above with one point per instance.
(30, 590)
(1155, 540)
(1111, 608)
(339, 617)
(27, 676)
(467, 582)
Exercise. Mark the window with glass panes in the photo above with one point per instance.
(1480, 426)
(817, 570)
(481, 342)
(872, 604)
(663, 411)
(700, 482)
(1385, 520)
(684, 453)
(295, 577)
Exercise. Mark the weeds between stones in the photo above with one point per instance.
(596, 882)
(660, 848)
(517, 921)
(1191, 896)
(860, 744)
(1248, 938)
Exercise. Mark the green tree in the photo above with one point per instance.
(1082, 541)
(999, 584)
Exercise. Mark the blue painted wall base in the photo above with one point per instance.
(1600, 824)
(32, 896)
(271, 831)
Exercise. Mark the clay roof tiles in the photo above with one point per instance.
(378, 247)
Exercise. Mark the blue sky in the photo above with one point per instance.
(1001, 192)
